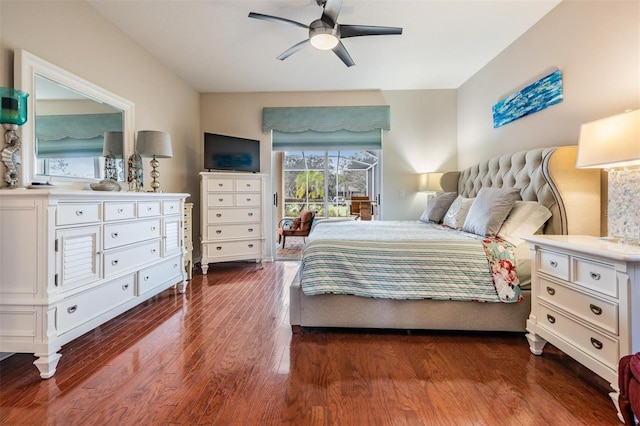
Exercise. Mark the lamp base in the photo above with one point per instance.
(10, 154)
(155, 174)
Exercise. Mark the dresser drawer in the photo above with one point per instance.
(248, 200)
(120, 260)
(77, 213)
(118, 211)
(120, 234)
(148, 208)
(248, 185)
(225, 232)
(220, 200)
(596, 276)
(595, 311)
(155, 275)
(597, 345)
(171, 207)
(232, 248)
(219, 185)
(80, 308)
(233, 215)
(555, 264)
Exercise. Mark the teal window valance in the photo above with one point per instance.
(300, 128)
(65, 136)
(326, 119)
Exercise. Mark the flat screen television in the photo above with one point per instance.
(230, 153)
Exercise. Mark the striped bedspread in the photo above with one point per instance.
(407, 260)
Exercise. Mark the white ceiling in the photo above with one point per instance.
(215, 47)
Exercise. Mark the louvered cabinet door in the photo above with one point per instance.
(77, 257)
(172, 237)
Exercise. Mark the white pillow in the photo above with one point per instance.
(525, 218)
(457, 212)
(489, 210)
(437, 207)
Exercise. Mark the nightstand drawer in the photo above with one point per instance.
(596, 276)
(597, 345)
(555, 264)
(595, 311)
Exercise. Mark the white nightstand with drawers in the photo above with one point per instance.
(585, 301)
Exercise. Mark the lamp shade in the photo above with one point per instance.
(610, 142)
(112, 145)
(154, 143)
(430, 182)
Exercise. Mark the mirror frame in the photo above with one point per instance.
(27, 66)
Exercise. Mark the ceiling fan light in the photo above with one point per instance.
(324, 41)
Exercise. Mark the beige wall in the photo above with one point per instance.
(72, 35)
(596, 45)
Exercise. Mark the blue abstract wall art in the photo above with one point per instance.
(535, 97)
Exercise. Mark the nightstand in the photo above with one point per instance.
(585, 301)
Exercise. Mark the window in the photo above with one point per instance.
(323, 180)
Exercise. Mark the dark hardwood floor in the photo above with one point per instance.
(223, 354)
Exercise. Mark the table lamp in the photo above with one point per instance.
(155, 144)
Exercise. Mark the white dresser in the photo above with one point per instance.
(586, 301)
(72, 260)
(232, 217)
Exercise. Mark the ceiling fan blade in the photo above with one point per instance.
(342, 53)
(276, 19)
(293, 49)
(367, 30)
(331, 11)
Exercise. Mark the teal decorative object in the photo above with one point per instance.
(13, 106)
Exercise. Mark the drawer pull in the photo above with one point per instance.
(553, 264)
(146, 278)
(125, 286)
(72, 309)
(250, 229)
(220, 199)
(596, 343)
(153, 228)
(248, 185)
(170, 207)
(595, 309)
(249, 214)
(250, 245)
(79, 212)
(120, 210)
(551, 290)
(551, 318)
(248, 199)
(114, 262)
(149, 208)
(218, 231)
(153, 250)
(218, 214)
(114, 235)
(595, 276)
(220, 185)
(218, 248)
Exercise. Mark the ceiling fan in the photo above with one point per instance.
(325, 33)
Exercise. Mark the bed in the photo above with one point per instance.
(546, 176)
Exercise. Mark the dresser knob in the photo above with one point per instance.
(551, 319)
(250, 229)
(248, 199)
(146, 278)
(120, 210)
(220, 199)
(595, 309)
(125, 286)
(218, 215)
(553, 264)
(114, 262)
(114, 235)
(596, 343)
(218, 231)
(220, 185)
(249, 214)
(72, 309)
(551, 290)
(595, 276)
(79, 212)
(218, 248)
(250, 245)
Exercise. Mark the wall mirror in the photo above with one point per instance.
(62, 140)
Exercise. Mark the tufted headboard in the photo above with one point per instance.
(545, 175)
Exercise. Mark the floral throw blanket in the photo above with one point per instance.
(502, 260)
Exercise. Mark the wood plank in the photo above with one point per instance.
(223, 353)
